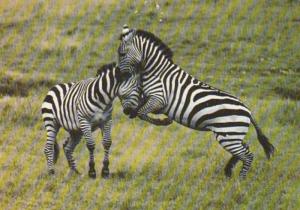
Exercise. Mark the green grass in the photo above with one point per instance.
(248, 48)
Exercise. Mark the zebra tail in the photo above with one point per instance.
(263, 140)
(56, 152)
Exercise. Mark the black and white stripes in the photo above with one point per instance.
(171, 91)
(82, 107)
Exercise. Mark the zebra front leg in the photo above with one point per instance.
(106, 142)
(69, 146)
(90, 144)
(152, 105)
(51, 148)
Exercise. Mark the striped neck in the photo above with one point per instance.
(156, 63)
(159, 65)
(108, 85)
(156, 56)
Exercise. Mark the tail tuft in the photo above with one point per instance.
(268, 147)
(263, 140)
(56, 152)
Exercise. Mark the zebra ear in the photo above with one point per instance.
(125, 29)
(127, 33)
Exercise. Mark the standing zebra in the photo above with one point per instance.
(82, 107)
(171, 91)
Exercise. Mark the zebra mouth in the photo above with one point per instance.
(127, 111)
(130, 112)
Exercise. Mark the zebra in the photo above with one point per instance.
(171, 91)
(82, 107)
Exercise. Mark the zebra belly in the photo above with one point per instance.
(230, 123)
(233, 124)
(99, 118)
(70, 123)
(96, 120)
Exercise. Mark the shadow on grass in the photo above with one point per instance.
(13, 24)
(21, 86)
(124, 174)
(291, 93)
(194, 153)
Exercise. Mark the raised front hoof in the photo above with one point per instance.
(105, 173)
(51, 172)
(228, 172)
(92, 174)
(166, 121)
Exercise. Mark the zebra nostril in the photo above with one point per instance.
(127, 111)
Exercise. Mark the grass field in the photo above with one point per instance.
(249, 48)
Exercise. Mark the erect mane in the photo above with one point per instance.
(106, 67)
(162, 46)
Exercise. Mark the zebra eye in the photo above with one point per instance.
(125, 75)
(122, 54)
(121, 51)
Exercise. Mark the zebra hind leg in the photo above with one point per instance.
(230, 165)
(247, 158)
(69, 146)
(49, 149)
(239, 151)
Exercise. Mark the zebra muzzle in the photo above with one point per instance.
(130, 112)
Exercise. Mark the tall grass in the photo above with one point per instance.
(249, 48)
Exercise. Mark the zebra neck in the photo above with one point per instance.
(159, 66)
(106, 88)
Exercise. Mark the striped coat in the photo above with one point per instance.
(82, 107)
(171, 91)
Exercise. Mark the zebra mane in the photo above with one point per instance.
(106, 67)
(162, 46)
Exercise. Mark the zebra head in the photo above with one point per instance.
(129, 91)
(141, 51)
(129, 56)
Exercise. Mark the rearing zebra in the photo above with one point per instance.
(82, 107)
(171, 91)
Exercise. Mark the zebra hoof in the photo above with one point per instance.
(166, 121)
(228, 172)
(105, 173)
(242, 177)
(92, 174)
(74, 171)
(51, 172)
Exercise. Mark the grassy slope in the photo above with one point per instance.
(250, 48)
